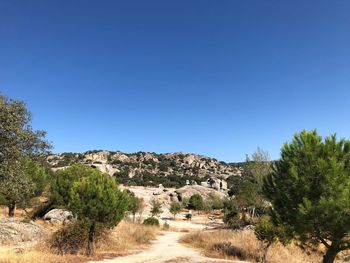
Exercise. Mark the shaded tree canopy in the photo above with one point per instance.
(18, 142)
(309, 191)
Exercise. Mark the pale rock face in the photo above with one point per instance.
(58, 216)
(189, 159)
(105, 168)
(13, 231)
(206, 192)
(171, 194)
(101, 156)
(120, 157)
(178, 164)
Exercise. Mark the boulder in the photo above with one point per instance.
(58, 216)
(13, 231)
(189, 190)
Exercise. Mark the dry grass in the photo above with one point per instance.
(243, 245)
(128, 236)
(120, 241)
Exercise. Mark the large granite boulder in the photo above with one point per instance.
(58, 216)
(13, 231)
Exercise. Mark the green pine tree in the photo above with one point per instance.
(310, 191)
(97, 202)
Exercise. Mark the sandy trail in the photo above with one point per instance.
(166, 249)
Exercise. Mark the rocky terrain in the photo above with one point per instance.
(15, 231)
(133, 164)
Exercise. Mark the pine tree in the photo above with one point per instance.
(309, 191)
(175, 208)
(97, 202)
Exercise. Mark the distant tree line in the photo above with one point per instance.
(153, 180)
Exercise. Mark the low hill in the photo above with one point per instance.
(150, 169)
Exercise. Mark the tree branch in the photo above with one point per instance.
(324, 242)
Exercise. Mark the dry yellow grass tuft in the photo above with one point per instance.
(243, 245)
(125, 237)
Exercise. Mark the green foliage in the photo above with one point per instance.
(95, 198)
(196, 202)
(153, 180)
(69, 239)
(68, 159)
(38, 176)
(258, 166)
(136, 205)
(63, 181)
(268, 233)
(188, 216)
(309, 191)
(96, 201)
(151, 221)
(18, 142)
(215, 202)
(175, 208)
(166, 226)
(246, 191)
(184, 202)
(232, 214)
(156, 208)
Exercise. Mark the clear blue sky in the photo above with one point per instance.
(217, 78)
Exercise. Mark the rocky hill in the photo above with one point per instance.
(138, 168)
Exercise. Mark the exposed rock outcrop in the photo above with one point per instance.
(13, 231)
(58, 216)
(180, 164)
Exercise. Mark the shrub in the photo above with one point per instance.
(151, 221)
(189, 216)
(196, 202)
(97, 201)
(175, 208)
(156, 209)
(226, 248)
(69, 239)
(166, 226)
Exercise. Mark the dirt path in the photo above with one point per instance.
(166, 249)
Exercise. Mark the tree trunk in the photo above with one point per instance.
(90, 248)
(244, 215)
(12, 207)
(266, 250)
(330, 255)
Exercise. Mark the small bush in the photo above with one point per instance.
(226, 248)
(151, 221)
(69, 239)
(188, 216)
(166, 226)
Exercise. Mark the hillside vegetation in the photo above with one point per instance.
(150, 169)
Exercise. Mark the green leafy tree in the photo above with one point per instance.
(216, 202)
(18, 141)
(268, 234)
(309, 191)
(63, 181)
(196, 202)
(175, 208)
(96, 201)
(38, 175)
(156, 208)
(232, 214)
(258, 165)
(184, 202)
(136, 205)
